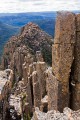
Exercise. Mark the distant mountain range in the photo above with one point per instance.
(45, 20)
(11, 23)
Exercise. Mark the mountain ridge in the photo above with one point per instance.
(45, 20)
(33, 38)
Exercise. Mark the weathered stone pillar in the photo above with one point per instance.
(62, 55)
(39, 82)
(36, 90)
(20, 62)
(75, 103)
(41, 68)
(29, 94)
(52, 90)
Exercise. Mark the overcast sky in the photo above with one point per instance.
(16, 6)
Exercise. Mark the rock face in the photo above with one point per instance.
(62, 53)
(65, 64)
(76, 69)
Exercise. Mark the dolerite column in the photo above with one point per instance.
(29, 95)
(62, 55)
(20, 62)
(41, 68)
(52, 90)
(39, 83)
(36, 90)
(76, 69)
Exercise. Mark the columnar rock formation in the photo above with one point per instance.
(35, 83)
(39, 83)
(52, 89)
(24, 55)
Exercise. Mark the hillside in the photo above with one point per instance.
(6, 31)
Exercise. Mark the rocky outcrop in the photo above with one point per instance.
(67, 114)
(33, 38)
(6, 78)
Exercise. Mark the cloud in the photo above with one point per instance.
(38, 5)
